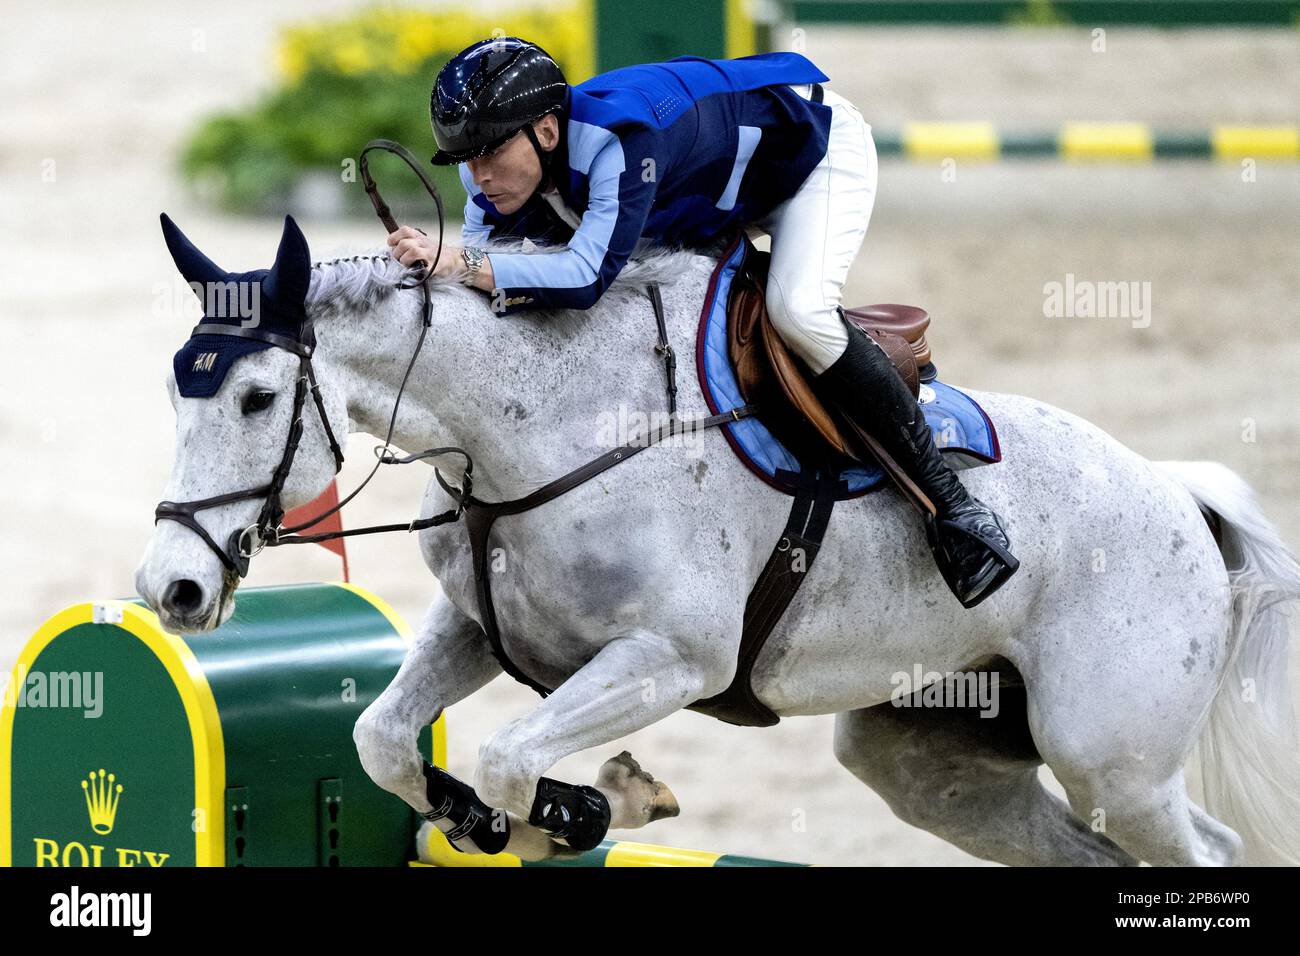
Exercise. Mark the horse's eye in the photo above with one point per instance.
(257, 401)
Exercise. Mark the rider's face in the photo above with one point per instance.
(511, 173)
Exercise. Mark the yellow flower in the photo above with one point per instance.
(352, 57)
(416, 42)
(384, 37)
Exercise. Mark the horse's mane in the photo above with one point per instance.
(361, 282)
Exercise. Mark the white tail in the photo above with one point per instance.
(1249, 750)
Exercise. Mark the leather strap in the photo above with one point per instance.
(335, 449)
(481, 515)
(910, 489)
(664, 348)
(270, 338)
(779, 581)
(234, 556)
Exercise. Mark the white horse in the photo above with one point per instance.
(1131, 631)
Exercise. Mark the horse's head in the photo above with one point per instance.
(248, 444)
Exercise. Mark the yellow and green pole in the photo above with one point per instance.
(1089, 142)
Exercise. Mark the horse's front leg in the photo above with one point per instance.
(448, 660)
(632, 682)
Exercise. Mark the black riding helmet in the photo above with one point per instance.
(490, 91)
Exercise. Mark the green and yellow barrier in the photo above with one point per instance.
(1088, 143)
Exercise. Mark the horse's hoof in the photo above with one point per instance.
(620, 768)
(645, 797)
(665, 804)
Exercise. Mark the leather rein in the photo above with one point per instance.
(268, 530)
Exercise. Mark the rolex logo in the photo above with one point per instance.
(101, 800)
(205, 362)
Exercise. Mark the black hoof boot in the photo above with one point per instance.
(472, 819)
(578, 815)
(969, 543)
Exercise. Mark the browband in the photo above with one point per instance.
(248, 332)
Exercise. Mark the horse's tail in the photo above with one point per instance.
(1249, 752)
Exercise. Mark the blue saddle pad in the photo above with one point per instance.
(961, 428)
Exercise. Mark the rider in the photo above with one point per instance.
(680, 153)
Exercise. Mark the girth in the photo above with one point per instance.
(786, 568)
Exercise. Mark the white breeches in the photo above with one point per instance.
(816, 234)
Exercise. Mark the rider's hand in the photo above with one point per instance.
(450, 263)
(410, 247)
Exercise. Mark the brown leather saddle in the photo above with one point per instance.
(774, 380)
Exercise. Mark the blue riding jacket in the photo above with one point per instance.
(677, 153)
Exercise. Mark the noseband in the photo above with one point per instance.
(267, 529)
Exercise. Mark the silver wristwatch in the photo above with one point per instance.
(473, 259)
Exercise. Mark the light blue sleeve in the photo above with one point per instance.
(618, 203)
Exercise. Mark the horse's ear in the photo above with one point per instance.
(290, 277)
(194, 266)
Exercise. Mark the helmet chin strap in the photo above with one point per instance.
(542, 157)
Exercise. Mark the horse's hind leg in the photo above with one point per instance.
(971, 780)
(1157, 822)
(1121, 764)
(1151, 816)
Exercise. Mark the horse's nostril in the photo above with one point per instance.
(183, 597)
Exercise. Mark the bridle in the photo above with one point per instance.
(244, 543)
(267, 530)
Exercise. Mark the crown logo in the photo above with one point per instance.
(101, 800)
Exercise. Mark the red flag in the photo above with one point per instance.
(328, 499)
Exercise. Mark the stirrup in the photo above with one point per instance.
(1004, 562)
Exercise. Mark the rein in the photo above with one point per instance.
(268, 531)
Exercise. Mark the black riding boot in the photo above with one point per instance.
(967, 536)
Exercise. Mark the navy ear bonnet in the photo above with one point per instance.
(269, 301)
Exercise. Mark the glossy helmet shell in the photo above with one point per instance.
(488, 92)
